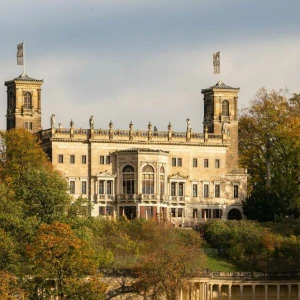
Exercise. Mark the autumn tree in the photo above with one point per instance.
(57, 255)
(168, 257)
(269, 135)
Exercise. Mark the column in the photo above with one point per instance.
(289, 293)
(219, 291)
(266, 292)
(229, 291)
(180, 294)
(253, 291)
(278, 291)
(241, 292)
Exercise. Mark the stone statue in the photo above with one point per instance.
(52, 121)
(188, 122)
(92, 122)
(223, 127)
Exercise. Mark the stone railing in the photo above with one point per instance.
(210, 274)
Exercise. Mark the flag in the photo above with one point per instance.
(20, 54)
(216, 62)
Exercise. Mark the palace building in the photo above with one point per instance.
(183, 177)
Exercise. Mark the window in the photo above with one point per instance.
(173, 162)
(195, 213)
(60, 159)
(101, 159)
(28, 125)
(107, 160)
(109, 187)
(217, 163)
(217, 190)
(162, 180)
(179, 162)
(206, 213)
(195, 190)
(27, 100)
(195, 163)
(72, 186)
(83, 159)
(205, 190)
(128, 180)
(83, 187)
(72, 159)
(205, 163)
(235, 191)
(173, 189)
(101, 210)
(225, 108)
(173, 211)
(181, 189)
(176, 162)
(180, 210)
(217, 213)
(148, 180)
(108, 210)
(101, 187)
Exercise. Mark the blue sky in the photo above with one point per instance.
(147, 60)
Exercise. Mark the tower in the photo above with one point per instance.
(221, 117)
(24, 103)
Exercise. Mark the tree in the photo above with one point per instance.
(269, 147)
(169, 257)
(59, 257)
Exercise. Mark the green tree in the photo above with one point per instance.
(269, 148)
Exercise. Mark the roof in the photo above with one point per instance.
(24, 77)
(220, 85)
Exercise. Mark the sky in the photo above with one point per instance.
(147, 60)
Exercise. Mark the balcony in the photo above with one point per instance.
(177, 199)
(104, 197)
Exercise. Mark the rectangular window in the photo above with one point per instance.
(108, 210)
(101, 187)
(195, 190)
(217, 190)
(179, 162)
(72, 159)
(101, 159)
(180, 210)
(205, 163)
(205, 190)
(181, 189)
(101, 210)
(60, 159)
(235, 191)
(195, 163)
(173, 211)
(107, 160)
(109, 187)
(217, 163)
(83, 159)
(173, 189)
(28, 125)
(72, 186)
(195, 213)
(206, 213)
(83, 187)
(217, 213)
(173, 162)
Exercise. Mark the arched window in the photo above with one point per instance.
(162, 180)
(128, 180)
(234, 214)
(27, 100)
(148, 180)
(225, 108)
